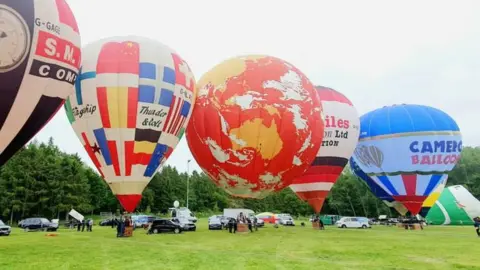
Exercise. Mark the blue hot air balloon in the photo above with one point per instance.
(407, 150)
(376, 189)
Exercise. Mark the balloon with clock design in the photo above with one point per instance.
(39, 62)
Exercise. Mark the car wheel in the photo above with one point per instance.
(176, 231)
(194, 229)
(344, 226)
(364, 226)
(155, 231)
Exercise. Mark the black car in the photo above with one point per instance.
(107, 222)
(38, 224)
(215, 223)
(164, 226)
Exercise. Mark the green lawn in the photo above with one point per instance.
(269, 248)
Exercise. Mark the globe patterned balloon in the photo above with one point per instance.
(257, 124)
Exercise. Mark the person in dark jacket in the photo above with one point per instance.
(249, 221)
(79, 224)
(476, 224)
(83, 225)
(120, 227)
(232, 225)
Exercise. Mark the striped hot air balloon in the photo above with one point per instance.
(339, 141)
(131, 105)
(433, 197)
(39, 61)
(415, 146)
(377, 190)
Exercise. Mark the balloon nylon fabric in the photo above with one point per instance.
(456, 206)
(130, 108)
(256, 125)
(34, 89)
(340, 138)
(407, 150)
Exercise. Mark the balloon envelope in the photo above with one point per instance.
(38, 67)
(256, 125)
(407, 150)
(377, 190)
(130, 107)
(433, 197)
(339, 140)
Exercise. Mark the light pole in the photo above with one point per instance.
(188, 178)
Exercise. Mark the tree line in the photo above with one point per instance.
(41, 180)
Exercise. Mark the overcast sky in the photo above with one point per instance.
(375, 52)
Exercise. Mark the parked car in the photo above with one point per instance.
(185, 223)
(224, 220)
(268, 218)
(107, 222)
(4, 229)
(140, 220)
(42, 224)
(164, 226)
(260, 222)
(215, 223)
(183, 212)
(353, 222)
(286, 220)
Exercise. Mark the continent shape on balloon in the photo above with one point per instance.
(39, 64)
(131, 105)
(407, 150)
(342, 128)
(256, 125)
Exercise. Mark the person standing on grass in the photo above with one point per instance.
(249, 221)
(83, 225)
(90, 225)
(230, 225)
(476, 224)
(79, 224)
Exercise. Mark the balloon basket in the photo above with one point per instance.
(242, 228)
(128, 231)
(316, 225)
(406, 226)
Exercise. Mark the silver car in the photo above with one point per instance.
(5, 229)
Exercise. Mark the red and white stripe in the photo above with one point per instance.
(173, 116)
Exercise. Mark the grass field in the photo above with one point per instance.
(269, 248)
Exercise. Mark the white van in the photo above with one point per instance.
(184, 213)
(353, 222)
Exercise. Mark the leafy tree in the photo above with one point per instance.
(41, 180)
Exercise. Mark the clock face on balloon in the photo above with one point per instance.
(14, 39)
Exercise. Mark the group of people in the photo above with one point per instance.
(242, 219)
(82, 224)
(123, 223)
(317, 219)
